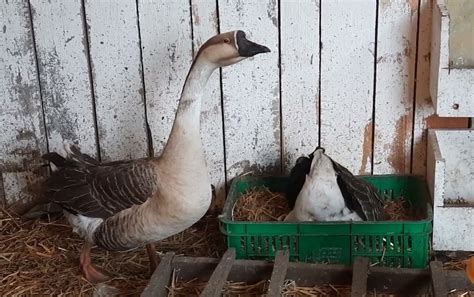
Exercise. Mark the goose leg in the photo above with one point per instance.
(150, 249)
(91, 273)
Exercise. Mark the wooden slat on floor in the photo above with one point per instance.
(279, 273)
(160, 278)
(360, 272)
(438, 277)
(219, 276)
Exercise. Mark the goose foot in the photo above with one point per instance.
(91, 273)
(151, 251)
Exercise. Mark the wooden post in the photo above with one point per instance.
(160, 278)
(438, 279)
(219, 276)
(360, 272)
(279, 273)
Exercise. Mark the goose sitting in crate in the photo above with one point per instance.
(320, 189)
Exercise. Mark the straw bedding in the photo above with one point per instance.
(194, 287)
(42, 258)
(261, 204)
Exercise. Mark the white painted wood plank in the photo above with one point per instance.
(457, 150)
(347, 73)
(452, 90)
(251, 91)
(396, 57)
(423, 105)
(22, 140)
(452, 229)
(116, 71)
(299, 78)
(204, 26)
(64, 73)
(167, 55)
(451, 176)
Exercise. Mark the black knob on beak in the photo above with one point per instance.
(249, 48)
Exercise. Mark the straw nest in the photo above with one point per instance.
(42, 258)
(261, 204)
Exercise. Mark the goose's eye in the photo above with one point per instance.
(227, 40)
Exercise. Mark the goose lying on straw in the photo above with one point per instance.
(326, 191)
(123, 205)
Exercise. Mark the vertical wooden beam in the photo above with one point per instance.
(22, 140)
(62, 50)
(347, 77)
(395, 80)
(160, 279)
(299, 32)
(438, 278)
(360, 273)
(423, 104)
(204, 26)
(167, 55)
(251, 91)
(219, 276)
(116, 73)
(280, 266)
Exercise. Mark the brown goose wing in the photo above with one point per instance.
(359, 195)
(102, 191)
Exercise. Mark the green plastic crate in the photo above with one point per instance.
(386, 243)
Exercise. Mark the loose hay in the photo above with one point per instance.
(457, 263)
(290, 289)
(194, 287)
(263, 205)
(42, 258)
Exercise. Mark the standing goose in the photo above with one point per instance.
(326, 191)
(123, 205)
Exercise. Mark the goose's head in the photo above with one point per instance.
(229, 48)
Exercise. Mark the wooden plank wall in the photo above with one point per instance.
(350, 75)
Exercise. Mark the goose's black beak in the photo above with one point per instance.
(249, 48)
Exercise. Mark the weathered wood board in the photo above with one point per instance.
(299, 31)
(22, 139)
(167, 55)
(117, 78)
(347, 74)
(256, 116)
(61, 45)
(395, 80)
(204, 26)
(251, 91)
(423, 103)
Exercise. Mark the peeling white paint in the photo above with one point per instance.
(395, 78)
(347, 74)
(22, 139)
(64, 74)
(116, 73)
(299, 78)
(167, 57)
(251, 91)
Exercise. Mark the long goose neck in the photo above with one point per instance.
(185, 130)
